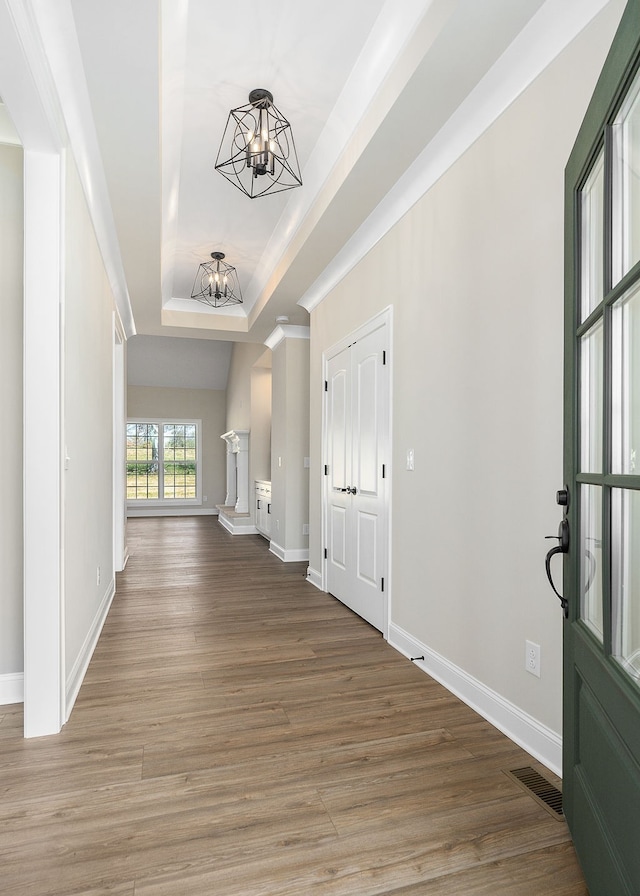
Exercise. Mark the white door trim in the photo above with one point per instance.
(120, 553)
(26, 89)
(44, 694)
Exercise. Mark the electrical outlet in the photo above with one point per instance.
(97, 575)
(305, 528)
(532, 658)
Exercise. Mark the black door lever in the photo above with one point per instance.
(561, 548)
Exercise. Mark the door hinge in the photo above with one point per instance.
(384, 358)
(326, 385)
(326, 469)
(383, 471)
(325, 554)
(382, 584)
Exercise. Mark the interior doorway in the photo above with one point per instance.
(357, 427)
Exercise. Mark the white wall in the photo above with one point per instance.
(243, 357)
(477, 272)
(290, 445)
(246, 398)
(88, 434)
(178, 363)
(260, 442)
(11, 287)
(208, 405)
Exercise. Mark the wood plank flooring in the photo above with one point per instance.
(239, 733)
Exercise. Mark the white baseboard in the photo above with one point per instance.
(11, 688)
(161, 510)
(314, 577)
(76, 676)
(236, 528)
(538, 740)
(292, 556)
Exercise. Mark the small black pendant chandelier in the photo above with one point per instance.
(257, 153)
(216, 283)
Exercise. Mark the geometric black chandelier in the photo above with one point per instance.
(216, 283)
(257, 153)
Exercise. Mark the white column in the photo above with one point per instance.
(237, 469)
(44, 700)
(230, 499)
(242, 468)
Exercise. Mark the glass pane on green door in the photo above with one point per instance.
(591, 558)
(591, 399)
(592, 240)
(626, 184)
(625, 532)
(625, 363)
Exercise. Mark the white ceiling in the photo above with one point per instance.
(365, 83)
(370, 88)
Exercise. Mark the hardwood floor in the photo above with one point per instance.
(239, 732)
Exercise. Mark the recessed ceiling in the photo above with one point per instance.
(366, 85)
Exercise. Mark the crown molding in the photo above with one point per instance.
(286, 332)
(549, 32)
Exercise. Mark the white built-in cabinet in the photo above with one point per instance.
(263, 507)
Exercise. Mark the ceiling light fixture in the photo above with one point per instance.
(216, 283)
(257, 153)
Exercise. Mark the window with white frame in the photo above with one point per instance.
(163, 461)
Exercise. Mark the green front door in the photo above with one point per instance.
(602, 471)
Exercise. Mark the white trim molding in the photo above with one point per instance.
(294, 555)
(534, 737)
(286, 332)
(79, 670)
(546, 35)
(43, 528)
(315, 578)
(236, 523)
(164, 510)
(11, 688)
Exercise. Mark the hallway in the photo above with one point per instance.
(240, 732)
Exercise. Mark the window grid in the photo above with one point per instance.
(162, 461)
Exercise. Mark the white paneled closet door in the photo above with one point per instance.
(357, 439)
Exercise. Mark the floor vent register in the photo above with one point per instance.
(545, 793)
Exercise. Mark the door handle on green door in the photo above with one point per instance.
(561, 548)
